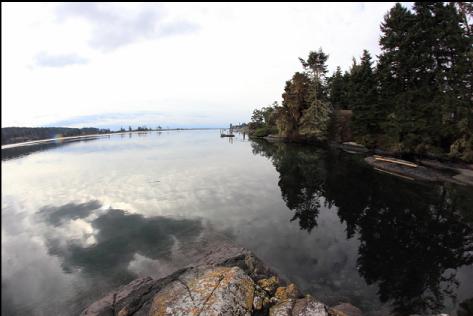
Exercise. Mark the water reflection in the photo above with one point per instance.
(62, 214)
(25, 150)
(100, 249)
(118, 237)
(65, 243)
(301, 179)
(466, 308)
(413, 236)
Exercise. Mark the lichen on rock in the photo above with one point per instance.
(212, 291)
(269, 285)
(283, 308)
(283, 293)
(309, 306)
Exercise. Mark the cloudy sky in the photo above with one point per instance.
(176, 65)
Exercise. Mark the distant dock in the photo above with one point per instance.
(224, 133)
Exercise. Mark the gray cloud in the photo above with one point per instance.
(48, 60)
(114, 27)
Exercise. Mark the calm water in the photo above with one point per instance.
(81, 218)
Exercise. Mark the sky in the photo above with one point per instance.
(169, 64)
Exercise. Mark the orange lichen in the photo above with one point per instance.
(207, 293)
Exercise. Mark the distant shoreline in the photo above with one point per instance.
(41, 141)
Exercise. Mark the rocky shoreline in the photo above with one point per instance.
(426, 170)
(225, 283)
(420, 169)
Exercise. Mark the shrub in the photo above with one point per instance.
(265, 131)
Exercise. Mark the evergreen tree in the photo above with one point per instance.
(337, 89)
(364, 101)
(425, 77)
(395, 73)
(465, 10)
(305, 112)
(316, 69)
(418, 99)
(454, 79)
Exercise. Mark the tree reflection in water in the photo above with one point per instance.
(413, 236)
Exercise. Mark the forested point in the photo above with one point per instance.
(416, 99)
(11, 135)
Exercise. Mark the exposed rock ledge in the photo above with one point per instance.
(238, 284)
(425, 170)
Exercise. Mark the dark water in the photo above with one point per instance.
(81, 218)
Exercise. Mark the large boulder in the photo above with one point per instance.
(283, 308)
(345, 309)
(285, 292)
(239, 284)
(307, 306)
(206, 291)
(130, 294)
(229, 270)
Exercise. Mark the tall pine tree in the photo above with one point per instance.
(338, 89)
(364, 101)
(395, 76)
(424, 74)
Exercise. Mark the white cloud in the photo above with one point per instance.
(194, 64)
(47, 60)
(117, 25)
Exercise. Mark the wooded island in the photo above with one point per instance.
(417, 99)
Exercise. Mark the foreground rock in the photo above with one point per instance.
(239, 284)
(346, 309)
(301, 307)
(226, 280)
(206, 291)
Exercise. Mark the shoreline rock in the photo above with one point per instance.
(275, 138)
(352, 147)
(236, 284)
(206, 291)
(427, 170)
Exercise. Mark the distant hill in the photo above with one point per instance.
(11, 135)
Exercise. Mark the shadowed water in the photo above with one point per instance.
(82, 219)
